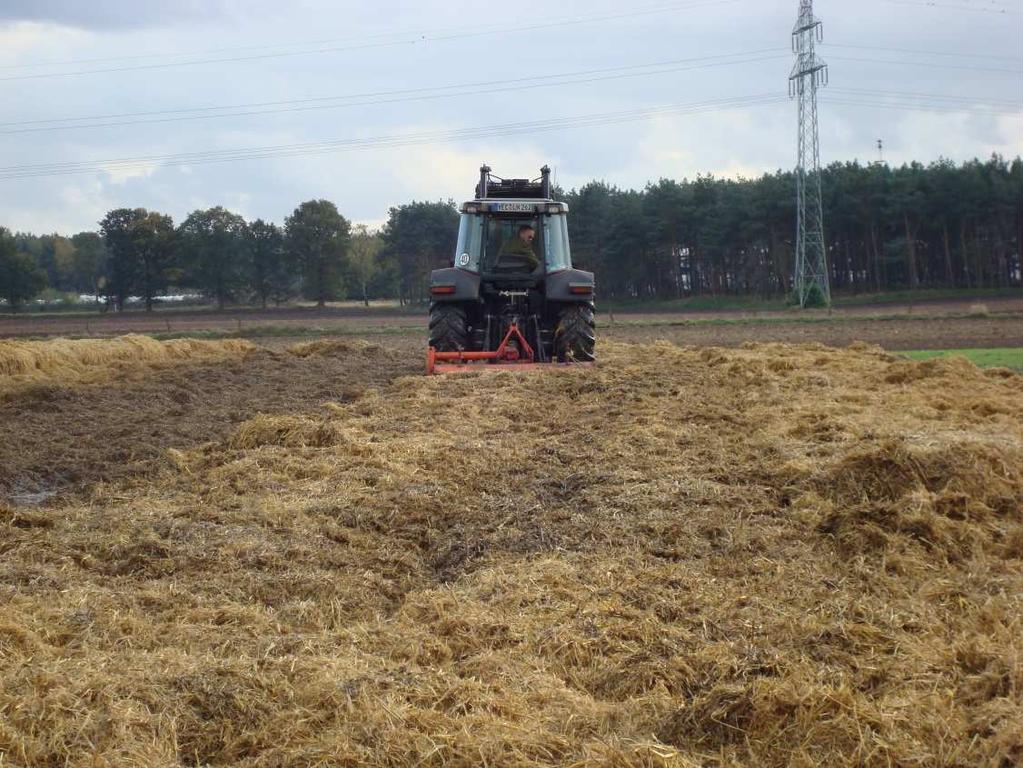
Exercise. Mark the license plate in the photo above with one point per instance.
(516, 207)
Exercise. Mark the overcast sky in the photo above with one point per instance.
(932, 79)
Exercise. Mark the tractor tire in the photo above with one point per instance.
(449, 329)
(575, 338)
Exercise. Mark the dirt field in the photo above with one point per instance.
(58, 437)
(911, 324)
(188, 320)
(760, 556)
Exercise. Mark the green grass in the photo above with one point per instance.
(1011, 357)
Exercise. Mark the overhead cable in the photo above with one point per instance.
(388, 97)
(359, 44)
(379, 142)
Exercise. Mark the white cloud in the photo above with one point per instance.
(728, 144)
(88, 199)
(1011, 129)
(436, 171)
(124, 174)
(27, 42)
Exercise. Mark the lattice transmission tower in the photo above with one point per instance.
(809, 73)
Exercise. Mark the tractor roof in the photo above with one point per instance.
(492, 187)
(514, 189)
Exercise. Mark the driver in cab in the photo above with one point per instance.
(517, 253)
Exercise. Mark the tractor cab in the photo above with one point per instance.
(512, 277)
(495, 241)
(513, 229)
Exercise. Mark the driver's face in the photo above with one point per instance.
(527, 236)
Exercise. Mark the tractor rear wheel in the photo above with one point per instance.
(576, 337)
(449, 329)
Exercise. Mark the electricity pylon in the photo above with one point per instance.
(809, 73)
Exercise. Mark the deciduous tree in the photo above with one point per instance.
(118, 230)
(275, 273)
(364, 262)
(215, 252)
(89, 262)
(318, 237)
(21, 279)
(417, 238)
(153, 237)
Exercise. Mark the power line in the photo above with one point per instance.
(631, 114)
(931, 64)
(381, 142)
(854, 97)
(418, 38)
(926, 107)
(930, 96)
(389, 97)
(918, 52)
(217, 51)
(128, 164)
(930, 4)
(413, 33)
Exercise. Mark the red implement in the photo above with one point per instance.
(514, 352)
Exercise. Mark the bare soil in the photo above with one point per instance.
(62, 438)
(193, 320)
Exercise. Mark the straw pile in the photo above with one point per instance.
(772, 556)
(24, 364)
(334, 347)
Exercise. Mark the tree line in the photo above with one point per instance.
(316, 255)
(941, 225)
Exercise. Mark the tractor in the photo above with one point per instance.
(512, 297)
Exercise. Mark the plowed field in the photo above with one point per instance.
(771, 555)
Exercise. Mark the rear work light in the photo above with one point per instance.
(442, 289)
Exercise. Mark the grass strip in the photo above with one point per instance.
(1008, 357)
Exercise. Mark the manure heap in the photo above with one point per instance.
(769, 556)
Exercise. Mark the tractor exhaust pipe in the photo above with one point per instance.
(483, 187)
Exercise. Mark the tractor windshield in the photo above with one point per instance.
(555, 238)
(488, 243)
